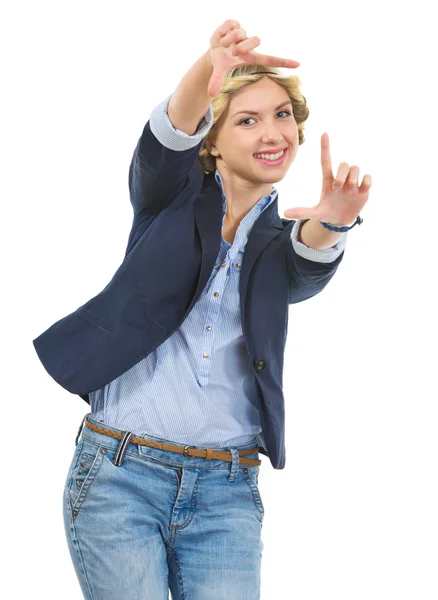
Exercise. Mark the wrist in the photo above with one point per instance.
(207, 56)
(335, 224)
(313, 235)
(340, 227)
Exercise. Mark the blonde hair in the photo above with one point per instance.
(238, 78)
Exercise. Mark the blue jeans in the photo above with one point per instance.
(162, 520)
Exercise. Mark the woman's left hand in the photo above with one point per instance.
(338, 205)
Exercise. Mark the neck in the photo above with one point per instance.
(241, 195)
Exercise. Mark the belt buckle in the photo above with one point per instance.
(185, 451)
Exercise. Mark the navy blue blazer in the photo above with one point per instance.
(172, 248)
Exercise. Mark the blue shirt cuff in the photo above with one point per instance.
(327, 255)
(175, 139)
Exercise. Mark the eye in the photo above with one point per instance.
(249, 118)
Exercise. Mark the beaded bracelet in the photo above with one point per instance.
(343, 228)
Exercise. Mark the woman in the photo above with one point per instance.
(181, 355)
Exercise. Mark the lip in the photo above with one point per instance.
(273, 151)
(273, 163)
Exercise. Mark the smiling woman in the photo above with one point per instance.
(181, 355)
(271, 84)
(253, 152)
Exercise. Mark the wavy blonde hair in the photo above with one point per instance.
(238, 78)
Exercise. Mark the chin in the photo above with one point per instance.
(275, 176)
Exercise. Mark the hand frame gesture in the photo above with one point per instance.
(230, 48)
(341, 199)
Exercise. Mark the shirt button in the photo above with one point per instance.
(209, 328)
(237, 265)
(205, 355)
(216, 294)
(224, 264)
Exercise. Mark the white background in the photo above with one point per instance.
(354, 513)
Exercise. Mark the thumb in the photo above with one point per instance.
(300, 213)
(214, 85)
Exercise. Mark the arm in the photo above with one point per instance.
(313, 235)
(311, 268)
(165, 154)
(313, 247)
(190, 101)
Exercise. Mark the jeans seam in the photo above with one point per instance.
(257, 498)
(179, 574)
(79, 551)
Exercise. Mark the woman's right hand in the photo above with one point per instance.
(230, 48)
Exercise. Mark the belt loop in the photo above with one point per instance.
(234, 464)
(122, 447)
(80, 428)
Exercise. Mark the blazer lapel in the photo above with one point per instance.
(208, 217)
(267, 227)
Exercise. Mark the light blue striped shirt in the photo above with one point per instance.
(198, 387)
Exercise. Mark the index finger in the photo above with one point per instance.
(275, 61)
(326, 160)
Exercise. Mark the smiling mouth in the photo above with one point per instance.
(277, 161)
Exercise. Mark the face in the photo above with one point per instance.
(242, 135)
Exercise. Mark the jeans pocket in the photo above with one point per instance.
(251, 475)
(73, 465)
(83, 473)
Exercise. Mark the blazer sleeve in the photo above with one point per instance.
(310, 270)
(163, 159)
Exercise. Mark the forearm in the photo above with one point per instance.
(314, 235)
(190, 100)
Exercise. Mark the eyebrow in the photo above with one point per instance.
(252, 112)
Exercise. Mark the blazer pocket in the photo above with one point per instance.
(90, 317)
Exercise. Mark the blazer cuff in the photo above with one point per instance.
(175, 139)
(327, 255)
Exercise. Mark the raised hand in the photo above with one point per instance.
(230, 48)
(341, 199)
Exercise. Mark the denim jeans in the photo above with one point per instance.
(161, 521)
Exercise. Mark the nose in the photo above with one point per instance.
(272, 133)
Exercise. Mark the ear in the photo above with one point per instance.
(212, 149)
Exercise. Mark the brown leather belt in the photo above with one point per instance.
(206, 453)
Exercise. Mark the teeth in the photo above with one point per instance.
(270, 156)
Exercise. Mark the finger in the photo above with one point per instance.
(352, 179)
(215, 83)
(228, 25)
(341, 176)
(326, 161)
(233, 37)
(275, 61)
(246, 45)
(366, 184)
